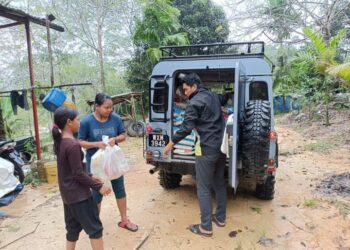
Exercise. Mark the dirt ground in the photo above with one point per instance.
(300, 217)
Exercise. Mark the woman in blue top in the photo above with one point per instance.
(105, 122)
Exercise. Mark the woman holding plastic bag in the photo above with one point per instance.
(103, 122)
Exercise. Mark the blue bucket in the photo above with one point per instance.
(54, 99)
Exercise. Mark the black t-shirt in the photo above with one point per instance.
(73, 181)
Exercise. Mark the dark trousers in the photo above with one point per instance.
(82, 215)
(210, 175)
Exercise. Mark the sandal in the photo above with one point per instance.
(217, 222)
(197, 230)
(126, 225)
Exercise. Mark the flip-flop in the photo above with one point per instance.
(196, 230)
(124, 224)
(217, 222)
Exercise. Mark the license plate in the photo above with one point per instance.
(157, 140)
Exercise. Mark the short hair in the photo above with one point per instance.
(191, 79)
(100, 98)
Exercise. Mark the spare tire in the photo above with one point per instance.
(141, 129)
(256, 145)
(136, 128)
(126, 123)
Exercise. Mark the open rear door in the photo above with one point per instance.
(238, 111)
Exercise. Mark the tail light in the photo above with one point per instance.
(149, 129)
(273, 135)
(271, 165)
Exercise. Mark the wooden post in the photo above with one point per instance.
(50, 50)
(31, 74)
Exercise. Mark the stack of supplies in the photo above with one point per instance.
(185, 146)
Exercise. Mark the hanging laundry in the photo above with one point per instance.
(19, 100)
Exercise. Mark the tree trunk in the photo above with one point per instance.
(100, 55)
(326, 101)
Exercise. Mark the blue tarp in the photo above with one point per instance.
(280, 105)
(8, 198)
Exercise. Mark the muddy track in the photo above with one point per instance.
(298, 218)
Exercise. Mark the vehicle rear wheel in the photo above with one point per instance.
(169, 180)
(266, 190)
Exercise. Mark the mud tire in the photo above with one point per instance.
(266, 190)
(255, 146)
(136, 129)
(169, 180)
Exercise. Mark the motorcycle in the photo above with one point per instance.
(8, 152)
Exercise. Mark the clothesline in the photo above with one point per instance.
(36, 87)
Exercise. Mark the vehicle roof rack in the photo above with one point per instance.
(213, 50)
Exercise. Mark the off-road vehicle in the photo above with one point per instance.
(239, 68)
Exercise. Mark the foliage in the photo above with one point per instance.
(283, 18)
(203, 21)
(325, 53)
(342, 70)
(10, 121)
(160, 26)
(32, 178)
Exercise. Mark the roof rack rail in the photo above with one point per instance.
(213, 50)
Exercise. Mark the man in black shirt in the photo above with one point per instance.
(203, 113)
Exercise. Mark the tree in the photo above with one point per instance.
(155, 27)
(159, 27)
(271, 18)
(325, 51)
(203, 21)
(97, 25)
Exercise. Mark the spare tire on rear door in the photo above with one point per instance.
(136, 128)
(255, 147)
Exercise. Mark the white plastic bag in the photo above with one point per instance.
(109, 163)
(8, 182)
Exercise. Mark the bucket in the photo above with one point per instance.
(51, 172)
(54, 99)
(41, 170)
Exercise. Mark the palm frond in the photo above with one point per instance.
(304, 56)
(336, 39)
(342, 70)
(154, 54)
(176, 39)
(316, 40)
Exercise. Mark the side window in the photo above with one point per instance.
(258, 91)
(160, 97)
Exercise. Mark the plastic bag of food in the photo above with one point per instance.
(110, 162)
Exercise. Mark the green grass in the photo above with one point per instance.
(321, 146)
(311, 203)
(32, 178)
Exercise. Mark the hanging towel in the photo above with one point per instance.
(19, 100)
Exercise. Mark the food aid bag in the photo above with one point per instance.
(109, 163)
(8, 182)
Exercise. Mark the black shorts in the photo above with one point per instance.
(82, 215)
